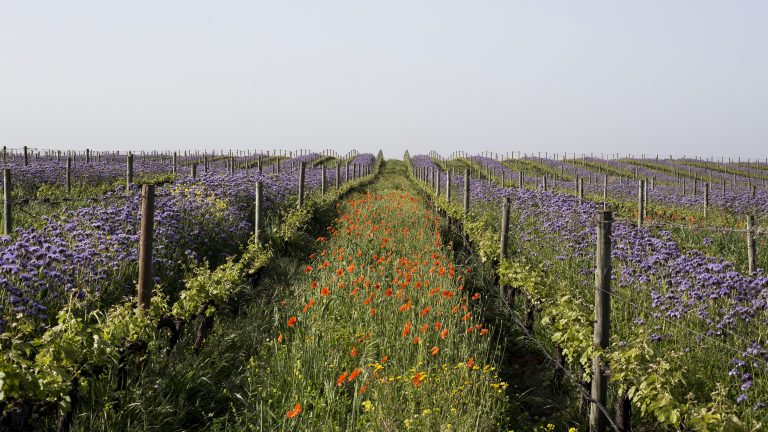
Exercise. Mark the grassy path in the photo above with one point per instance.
(378, 332)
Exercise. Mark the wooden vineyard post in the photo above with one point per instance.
(338, 175)
(194, 170)
(431, 176)
(129, 172)
(68, 176)
(145, 245)
(544, 182)
(520, 179)
(258, 164)
(437, 183)
(448, 186)
(7, 205)
(640, 203)
(503, 239)
(751, 244)
(581, 190)
(466, 191)
(259, 213)
(173, 170)
(322, 179)
(706, 199)
(205, 163)
(645, 198)
(301, 184)
(605, 192)
(26, 156)
(87, 156)
(597, 420)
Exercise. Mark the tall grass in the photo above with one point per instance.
(378, 333)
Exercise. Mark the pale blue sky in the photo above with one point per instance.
(686, 77)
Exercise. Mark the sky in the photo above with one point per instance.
(669, 77)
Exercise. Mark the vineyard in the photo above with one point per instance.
(298, 290)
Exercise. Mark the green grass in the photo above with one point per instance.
(403, 383)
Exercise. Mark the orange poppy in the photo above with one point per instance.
(341, 379)
(418, 379)
(353, 375)
(295, 411)
(291, 321)
(434, 350)
(407, 329)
